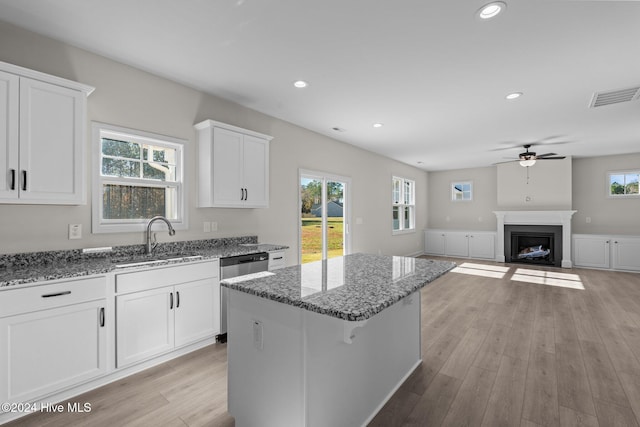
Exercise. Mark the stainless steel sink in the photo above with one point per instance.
(153, 260)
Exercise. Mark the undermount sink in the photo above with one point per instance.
(154, 259)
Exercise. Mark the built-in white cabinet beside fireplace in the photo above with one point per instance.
(607, 251)
(464, 244)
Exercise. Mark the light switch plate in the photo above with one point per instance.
(75, 231)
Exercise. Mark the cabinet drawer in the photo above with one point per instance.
(165, 276)
(42, 297)
(276, 260)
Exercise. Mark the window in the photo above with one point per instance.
(137, 175)
(403, 205)
(461, 191)
(623, 184)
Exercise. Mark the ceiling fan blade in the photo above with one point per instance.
(506, 161)
(552, 158)
(546, 155)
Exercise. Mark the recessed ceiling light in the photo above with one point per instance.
(300, 84)
(377, 125)
(491, 10)
(514, 95)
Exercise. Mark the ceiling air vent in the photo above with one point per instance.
(615, 96)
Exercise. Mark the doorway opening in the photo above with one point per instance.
(324, 219)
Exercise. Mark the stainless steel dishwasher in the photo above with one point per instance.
(233, 267)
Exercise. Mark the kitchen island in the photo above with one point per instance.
(325, 343)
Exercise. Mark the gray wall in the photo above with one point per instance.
(548, 186)
(476, 214)
(133, 98)
(579, 184)
(608, 215)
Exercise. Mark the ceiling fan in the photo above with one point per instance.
(529, 158)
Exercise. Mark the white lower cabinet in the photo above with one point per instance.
(145, 325)
(602, 251)
(465, 244)
(161, 318)
(55, 338)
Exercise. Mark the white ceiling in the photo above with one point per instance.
(432, 72)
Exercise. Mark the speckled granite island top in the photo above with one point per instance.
(354, 287)
(26, 268)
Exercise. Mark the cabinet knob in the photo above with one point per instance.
(607, 242)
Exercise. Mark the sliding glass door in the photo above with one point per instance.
(324, 219)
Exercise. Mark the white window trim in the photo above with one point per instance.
(453, 183)
(608, 185)
(412, 204)
(98, 225)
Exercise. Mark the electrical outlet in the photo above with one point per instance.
(75, 231)
(206, 227)
(258, 336)
(214, 226)
(588, 219)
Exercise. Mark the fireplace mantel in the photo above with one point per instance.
(562, 218)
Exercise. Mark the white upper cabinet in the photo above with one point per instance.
(233, 166)
(42, 138)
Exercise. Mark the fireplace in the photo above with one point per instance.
(533, 244)
(559, 250)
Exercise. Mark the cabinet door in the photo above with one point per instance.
(51, 143)
(256, 171)
(626, 254)
(227, 168)
(197, 311)
(44, 351)
(591, 251)
(9, 84)
(482, 246)
(145, 325)
(456, 244)
(434, 242)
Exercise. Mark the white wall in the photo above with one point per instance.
(133, 98)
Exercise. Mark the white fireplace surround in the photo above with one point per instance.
(562, 218)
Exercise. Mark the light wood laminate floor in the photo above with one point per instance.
(521, 348)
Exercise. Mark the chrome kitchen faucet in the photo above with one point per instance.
(151, 246)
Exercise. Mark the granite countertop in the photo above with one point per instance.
(353, 287)
(25, 268)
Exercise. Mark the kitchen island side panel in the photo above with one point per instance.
(347, 384)
(307, 373)
(265, 386)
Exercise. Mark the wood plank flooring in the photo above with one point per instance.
(496, 352)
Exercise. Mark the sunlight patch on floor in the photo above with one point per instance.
(550, 278)
(483, 270)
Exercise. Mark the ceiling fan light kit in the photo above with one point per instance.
(528, 162)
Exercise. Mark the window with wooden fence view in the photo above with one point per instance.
(139, 178)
